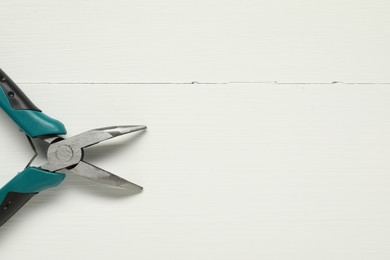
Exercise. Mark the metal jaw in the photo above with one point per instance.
(66, 155)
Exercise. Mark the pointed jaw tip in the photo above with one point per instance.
(134, 128)
(141, 127)
(131, 186)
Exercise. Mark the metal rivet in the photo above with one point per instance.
(6, 206)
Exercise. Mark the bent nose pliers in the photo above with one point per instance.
(64, 155)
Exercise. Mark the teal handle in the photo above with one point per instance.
(23, 187)
(32, 180)
(34, 123)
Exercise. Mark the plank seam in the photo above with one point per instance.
(205, 83)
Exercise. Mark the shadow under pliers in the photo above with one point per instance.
(64, 155)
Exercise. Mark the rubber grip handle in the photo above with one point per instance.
(23, 187)
(24, 113)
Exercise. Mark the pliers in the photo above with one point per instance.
(64, 155)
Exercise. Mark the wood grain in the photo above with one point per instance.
(205, 41)
(234, 171)
(236, 163)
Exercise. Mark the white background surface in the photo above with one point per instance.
(237, 166)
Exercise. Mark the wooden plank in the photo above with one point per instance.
(186, 41)
(234, 171)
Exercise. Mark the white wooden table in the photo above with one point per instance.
(268, 127)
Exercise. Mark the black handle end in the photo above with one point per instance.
(12, 202)
(16, 97)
